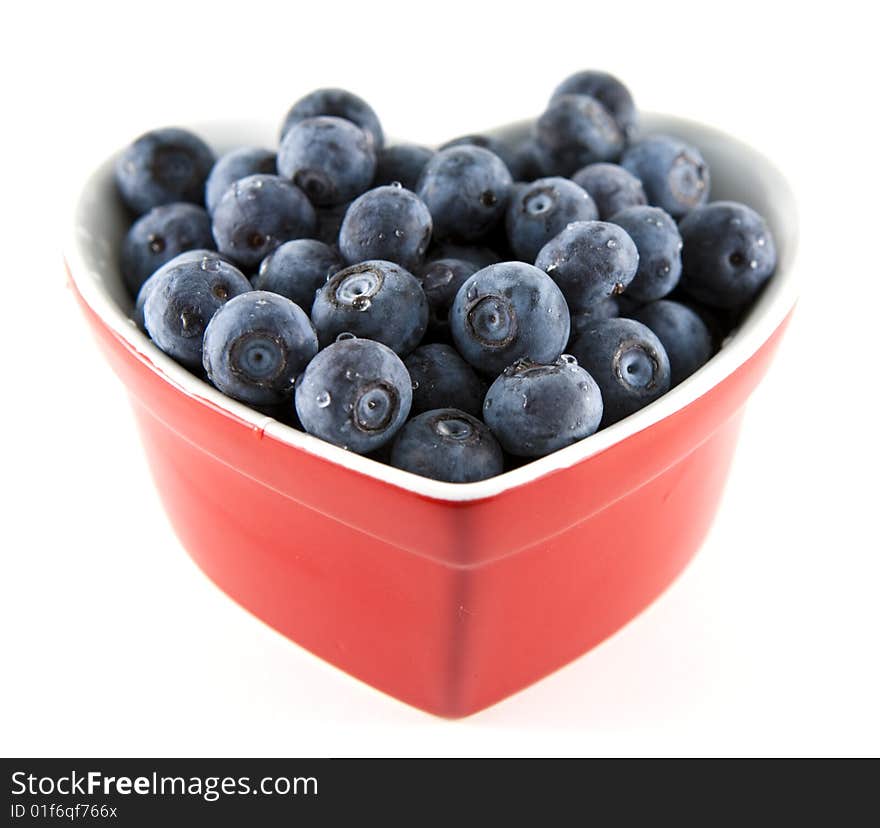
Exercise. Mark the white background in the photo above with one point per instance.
(112, 640)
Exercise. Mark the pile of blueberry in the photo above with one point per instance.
(448, 311)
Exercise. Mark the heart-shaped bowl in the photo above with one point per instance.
(447, 596)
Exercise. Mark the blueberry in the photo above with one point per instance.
(161, 167)
(401, 163)
(606, 89)
(355, 393)
(330, 222)
(478, 255)
(338, 103)
(612, 188)
(673, 173)
(375, 300)
(256, 215)
(590, 261)
(539, 211)
(525, 161)
(182, 301)
(628, 363)
(685, 337)
(158, 236)
(447, 444)
(237, 164)
(442, 379)
(388, 223)
(149, 283)
(141, 301)
(466, 189)
(627, 306)
(297, 269)
(331, 159)
(508, 311)
(256, 346)
(488, 142)
(534, 408)
(658, 241)
(441, 279)
(728, 254)
(603, 309)
(576, 130)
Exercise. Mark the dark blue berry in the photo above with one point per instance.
(612, 188)
(576, 130)
(447, 444)
(534, 408)
(684, 335)
(234, 165)
(160, 235)
(658, 241)
(604, 309)
(525, 161)
(606, 89)
(477, 255)
(497, 146)
(330, 222)
(258, 214)
(673, 173)
(256, 346)
(355, 393)
(388, 223)
(590, 261)
(338, 103)
(627, 361)
(441, 279)
(330, 159)
(539, 211)
(728, 254)
(375, 300)
(182, 300)
(297, 269)
(149, 283)
(466, 189)
(161, 167)
(403, 164)
(442, 379)
(508, 311)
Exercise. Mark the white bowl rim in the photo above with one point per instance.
(771, 309)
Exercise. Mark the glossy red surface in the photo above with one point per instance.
(451, 606)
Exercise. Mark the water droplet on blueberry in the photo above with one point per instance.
(454, 428)
(323, 399)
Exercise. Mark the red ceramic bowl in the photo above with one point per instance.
(447, 596)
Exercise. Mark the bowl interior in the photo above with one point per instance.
(739, 173)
